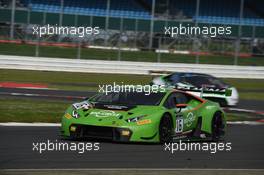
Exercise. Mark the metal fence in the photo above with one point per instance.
(126, 39)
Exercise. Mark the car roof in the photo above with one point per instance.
(190, 74)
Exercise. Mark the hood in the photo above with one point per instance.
(116, 117)
(119, 113)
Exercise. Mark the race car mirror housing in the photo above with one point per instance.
(181, 105)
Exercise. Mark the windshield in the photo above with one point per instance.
(129, 98)
(173, 78)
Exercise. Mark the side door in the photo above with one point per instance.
(178, 114)
(189, 113)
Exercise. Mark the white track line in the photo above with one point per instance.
(245, 110)
(30, 124)
(245, 123)
(39, 95)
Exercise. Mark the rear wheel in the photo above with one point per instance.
(218, 127)
(165, 129)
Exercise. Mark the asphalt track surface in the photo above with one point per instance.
(16, 145)
(79, 95)
(16, 152)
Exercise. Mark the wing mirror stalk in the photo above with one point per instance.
(181, 106)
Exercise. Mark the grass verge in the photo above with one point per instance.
(147, 56)
(50, 111)
(248, 88)
(31, 110)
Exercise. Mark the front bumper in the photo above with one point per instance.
(144, 133)
(99, 132)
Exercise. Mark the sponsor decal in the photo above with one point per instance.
(104, 114)
(204, 89)
(179, 137)
(143, 122)
(82, 105)
(115, 107)
(189, 119)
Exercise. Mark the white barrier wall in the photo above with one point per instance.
(126, 67)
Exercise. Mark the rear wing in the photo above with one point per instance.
(209, 90)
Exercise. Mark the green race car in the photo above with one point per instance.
(162, 117)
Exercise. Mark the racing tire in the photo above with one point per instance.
(217, 127)
(165, 129)
(197, 131)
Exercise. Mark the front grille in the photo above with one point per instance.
(100, 132)
(94, 131)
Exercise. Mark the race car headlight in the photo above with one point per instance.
(75, 114)
(135, 119)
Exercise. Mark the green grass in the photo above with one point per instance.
(250, 89)
(252, 95)
(38, 110)
(240, 117)
(31, 110)
(148, 56)
(70, 81)
(246, 84)
(90, 81)
(69, 77)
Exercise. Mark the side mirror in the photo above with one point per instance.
(181, 105)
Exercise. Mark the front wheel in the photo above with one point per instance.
(165, 129)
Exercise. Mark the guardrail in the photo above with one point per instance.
(126, 67)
